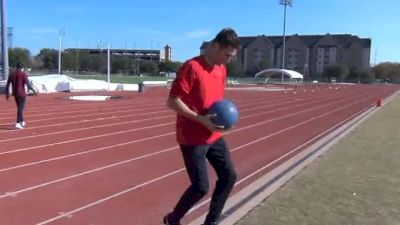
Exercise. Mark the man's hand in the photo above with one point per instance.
(206, 120)
(180, 107)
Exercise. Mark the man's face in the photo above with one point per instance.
(224, 55)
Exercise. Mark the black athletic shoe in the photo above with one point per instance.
(167, 222)
(212, 223)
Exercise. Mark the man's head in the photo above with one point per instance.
(19, 65)
(224, 46)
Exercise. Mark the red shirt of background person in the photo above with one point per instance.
(208, 82)
(17, 79)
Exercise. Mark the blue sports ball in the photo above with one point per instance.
(226, 111)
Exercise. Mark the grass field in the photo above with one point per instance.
(121, 78)
(116, 78)
(357, 182)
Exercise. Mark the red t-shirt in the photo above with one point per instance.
(198, 85)
(18, 79)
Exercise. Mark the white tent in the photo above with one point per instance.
(290, 73)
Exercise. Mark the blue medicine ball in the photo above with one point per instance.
(227, 113)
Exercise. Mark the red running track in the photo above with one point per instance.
(117, 162)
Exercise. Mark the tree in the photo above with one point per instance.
(48, 58)
(121, 64)
(148, 67)
(234, 69)
(19, 55)
(169, 66)
(355, 74)
(97, 63)
(340, 72)
(84, 61)
(387, 71)
(264, 64)
(91, 63)
(367, 77)
(69, 61)
(72, 61)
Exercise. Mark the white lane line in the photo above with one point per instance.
(80, 121)
(182, 169)
(78, 116)
(106, 147)
(130, 110)
(75, 113)
(274, 161)
(86, 138)
(79, 108)
(14, 193)
(98, 114)
(111, 196)
(85, 128)
(285, 116)
(300, 146)
(83, 153)
(34, 147)
(307, 101)
(96, 107)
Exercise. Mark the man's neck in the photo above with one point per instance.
(208, 60)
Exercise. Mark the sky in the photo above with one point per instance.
(185, 24)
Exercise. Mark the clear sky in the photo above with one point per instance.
(185, 24)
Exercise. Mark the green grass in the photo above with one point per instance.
(357, 182)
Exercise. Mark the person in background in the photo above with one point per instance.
(18, 79)
(199, 83)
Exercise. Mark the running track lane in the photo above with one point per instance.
(152, 200)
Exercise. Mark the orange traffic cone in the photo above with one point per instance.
(378, 102)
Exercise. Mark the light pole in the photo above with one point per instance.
(285, 3)
(61, 33)
(108, 67)
(4, 42)
(101, 45)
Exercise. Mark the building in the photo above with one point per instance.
(168, 53)
(142, 54)
(307, 54)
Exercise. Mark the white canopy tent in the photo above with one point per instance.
(269, 72)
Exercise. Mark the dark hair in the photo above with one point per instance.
(227, 37)
(19, 65)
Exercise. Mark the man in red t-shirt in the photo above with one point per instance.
(18, 79)
(199, 83)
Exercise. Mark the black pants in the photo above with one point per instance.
(20, 101)
(195, 158)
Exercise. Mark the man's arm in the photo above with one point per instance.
(176, 104)
(7, 89)
(28, 84)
